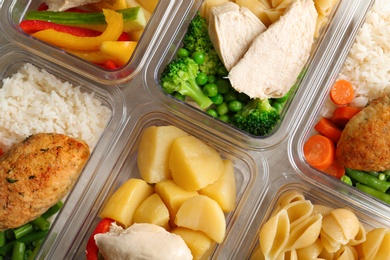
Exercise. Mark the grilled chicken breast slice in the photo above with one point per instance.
(37, 173)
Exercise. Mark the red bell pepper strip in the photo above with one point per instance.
(110, 65)
(42, 7)
(32, 26)
(92, 249)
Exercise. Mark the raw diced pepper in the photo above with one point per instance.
(122, 51)
(102, 227)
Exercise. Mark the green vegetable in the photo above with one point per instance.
(2, 238)
(257, 117)
(197, 39)
(18, 251)
(134, 18)
(212, 112)
(230, 96)
(222, 109)
(210, 89)
(182, 53)
(41, 223)
(53, 210)
(180, 76)
(368, 180)
(373, 192)
(217, 99)
(346, 180)
(23, 230)
(235, 105)
(201, 79)
(198, 57)
(223, 85)
(225, 118)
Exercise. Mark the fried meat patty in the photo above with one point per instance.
(365, 141)
(37, 173)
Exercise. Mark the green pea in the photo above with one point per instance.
(211, 78)
(230, 96)
(222, 109)
(182, 53)
(217, 99)
(201, 79)
(222, 71)
(198, 57)
(244, 98)
(223, 85)
(179, 96)
(235, 105)
(210, 89)
(212, 112)
(225, 118)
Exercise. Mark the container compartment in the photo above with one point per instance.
(322, 51)
(322, 106)
(12, 60)
(291, 183)
(250, 174)
(13, 12)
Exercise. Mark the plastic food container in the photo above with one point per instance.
(250, 172)
(322, 51)
(13, 58)
(306, 124)
(291, 182)
(12, 13)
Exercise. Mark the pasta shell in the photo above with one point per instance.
(274, 235)
(287, 198)
(346, 253)
(321, 209)
(377, 244)
(298, 211)
(347, 221)
(305, 233)
(360, 236)
(331, 230)
(288, 255)
(310, 252)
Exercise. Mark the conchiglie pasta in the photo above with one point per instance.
(360, 236)
(287, 198)
(376, 245)
(346, 253)
(305, 233)
(310, 252)
(282, 5)
(321, 22)
(298, 211)
(325, 7)
(274, 235)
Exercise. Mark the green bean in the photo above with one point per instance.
(373, 192)
(9, 234)
(7, 248)
(28, 254)
(18, 251)
(41, 223)
(36, 235)
(2, 238)
(346, 180)
(53, 210)
(369, 180)
(23, 230)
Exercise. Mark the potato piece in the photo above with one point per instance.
(153, 210)
(194, 164)
(122, 204)
(223, 190)
(202, 213)
(199, 243)
(154, 150)
(173, 196)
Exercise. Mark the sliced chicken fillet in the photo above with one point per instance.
(63, 5)
(275, 58)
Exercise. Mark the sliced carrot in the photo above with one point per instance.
(342, 115)
(335, 170)
(342, 92)
(319, 151)
(326, 127)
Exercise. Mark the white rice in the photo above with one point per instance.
(35, 101)
(367, 66)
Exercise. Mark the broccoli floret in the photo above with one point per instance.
(179, 76)
(258, 117)
(197, 39)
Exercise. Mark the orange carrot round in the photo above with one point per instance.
(335, 170)
(342, 115)
(342, 92)
(319, 151)
(326, 127)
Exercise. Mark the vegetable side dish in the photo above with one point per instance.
(298, 229)
(239, 65)
(102, 32)
(186, 189)
(350, 139)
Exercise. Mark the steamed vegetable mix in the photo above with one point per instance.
(197, 74)
(105, 33)
(24, 242)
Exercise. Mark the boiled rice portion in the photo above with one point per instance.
(367, 65)
(35, 101)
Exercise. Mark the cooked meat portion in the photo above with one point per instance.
(232, 29)
(62, 5)
(275, 58)
(36, 173)
(365, 141)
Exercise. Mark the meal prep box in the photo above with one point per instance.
(13, 12)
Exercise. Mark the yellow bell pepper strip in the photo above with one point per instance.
(96, 57)
(122, 51)
(64, 40)
(110, 4)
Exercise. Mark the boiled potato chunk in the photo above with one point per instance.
(153, 210)
(223, 190)
(173, 196)
(153, 152)
(202, 213)
(123, 203)
(199, 243)
(194, 164)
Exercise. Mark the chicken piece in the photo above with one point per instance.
(63, 5)
(37, 173)
(275, 58)
(365, 141)
(232, 29)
